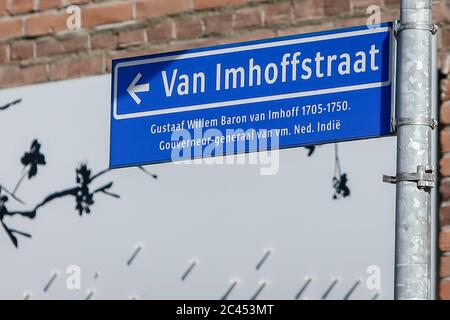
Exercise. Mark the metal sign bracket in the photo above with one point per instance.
(398, 26)
(432, 123)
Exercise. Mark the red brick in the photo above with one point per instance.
(208, 4)
(445, 89)
(278, 13)
(364, 4)
(104, 41)
(21, 50)
(157, 8)
(444, 63)
(49, 4)
(163, 31)
(75, 44)
(119, 55)
(21, 6)
(130, 52)
(47, 23)
(77, 1)
(444, 290)
(255, 35)
(444, 36)
(249, 17)
(308, 9)
(392, 3)
(196, 43)
(305, 29)
(48, 47)
(444, 215)
(444, 267)
(445, 141)
(106, 13)
(131, 38)
(351, 22)
(13, 76)
(10, 28)
(444, 189)
(218, 23)
(3, 11)
(188, 29)
(333, 7)
(389, 16)
(444, 240)
(445, 113)
(76, 67)
(441, 12)
(445, 165)
(4, 53)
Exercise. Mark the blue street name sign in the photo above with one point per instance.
(277, 93)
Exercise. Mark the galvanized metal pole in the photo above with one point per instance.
(414, 127)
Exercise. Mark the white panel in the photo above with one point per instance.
(222, 216)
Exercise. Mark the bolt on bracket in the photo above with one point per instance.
(424, 177)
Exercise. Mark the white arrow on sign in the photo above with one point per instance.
(133, 88)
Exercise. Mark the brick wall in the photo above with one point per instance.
(36, 45)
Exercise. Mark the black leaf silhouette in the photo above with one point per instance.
(33, 159)
(341, 190)
(340, 185)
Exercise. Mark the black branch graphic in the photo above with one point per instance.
(154, 176)
(82, 192)
(3, 213)
(84, 199)
(12, 195)
(84, 196)
(10, 104)
(311, 150)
